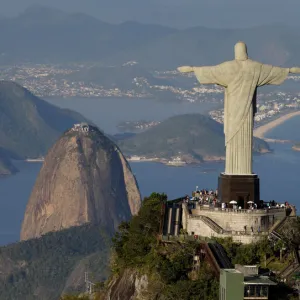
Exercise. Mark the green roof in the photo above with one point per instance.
(258, 280)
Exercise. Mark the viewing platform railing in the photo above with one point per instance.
(238, 211)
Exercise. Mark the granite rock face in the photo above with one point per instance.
(84, 179)
(130, 285)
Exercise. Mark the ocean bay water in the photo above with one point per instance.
(107, 113)
(289, 130)
(278, 171)
(15, 191)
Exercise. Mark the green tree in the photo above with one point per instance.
(291, 232)
(176, 263)
(206, 287)
(171, 265)
(50, 260)
(136, 239)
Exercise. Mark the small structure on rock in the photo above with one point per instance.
(83, 127)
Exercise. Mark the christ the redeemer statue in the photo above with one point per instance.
(240, 79)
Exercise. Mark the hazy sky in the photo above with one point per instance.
(176, 13)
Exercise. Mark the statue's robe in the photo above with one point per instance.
(240, 78)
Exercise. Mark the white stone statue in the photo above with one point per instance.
(240, 79)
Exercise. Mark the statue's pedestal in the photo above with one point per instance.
(241, 188)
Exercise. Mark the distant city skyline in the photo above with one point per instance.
(175, 13)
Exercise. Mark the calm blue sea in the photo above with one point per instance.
(279, 171)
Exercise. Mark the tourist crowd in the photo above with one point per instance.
(204, 196)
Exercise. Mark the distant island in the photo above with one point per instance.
(181, 140)
(135, 126)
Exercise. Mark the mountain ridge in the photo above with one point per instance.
(66, 37)
(20, 109)
(25, 117)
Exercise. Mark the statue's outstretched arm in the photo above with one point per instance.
(295, 70)
(185, 69)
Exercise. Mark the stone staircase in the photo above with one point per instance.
(277, 226)
(275, 229)
(213, 225)
(295, 265)
(289, 270)
(274, 234)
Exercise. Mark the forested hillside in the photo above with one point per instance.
(44, 268)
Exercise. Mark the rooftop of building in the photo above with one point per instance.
(258, 280)
(231, 271)
(251, 275)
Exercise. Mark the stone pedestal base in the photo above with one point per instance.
(241, 188)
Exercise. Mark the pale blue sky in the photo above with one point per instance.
(176, 13)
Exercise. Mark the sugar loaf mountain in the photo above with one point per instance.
(84, 190)
(84, 179)
(194, 138)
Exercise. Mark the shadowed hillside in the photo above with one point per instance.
(29, 125)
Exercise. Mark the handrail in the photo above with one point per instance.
(245, 211)
(277, 225)
(292, 267)
(286, 272)
(276, 234)
(218, 229)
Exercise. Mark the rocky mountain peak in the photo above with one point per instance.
(84, 179)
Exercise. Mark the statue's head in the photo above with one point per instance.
(240, 51)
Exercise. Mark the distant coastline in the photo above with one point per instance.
(262, 130)
(296, 147)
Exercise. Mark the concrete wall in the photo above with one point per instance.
(231, 285)
(198, 227)
(172, 219)
(236, 220)
(232, 222)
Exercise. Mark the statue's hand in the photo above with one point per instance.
(295, 70)
(185, 69)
